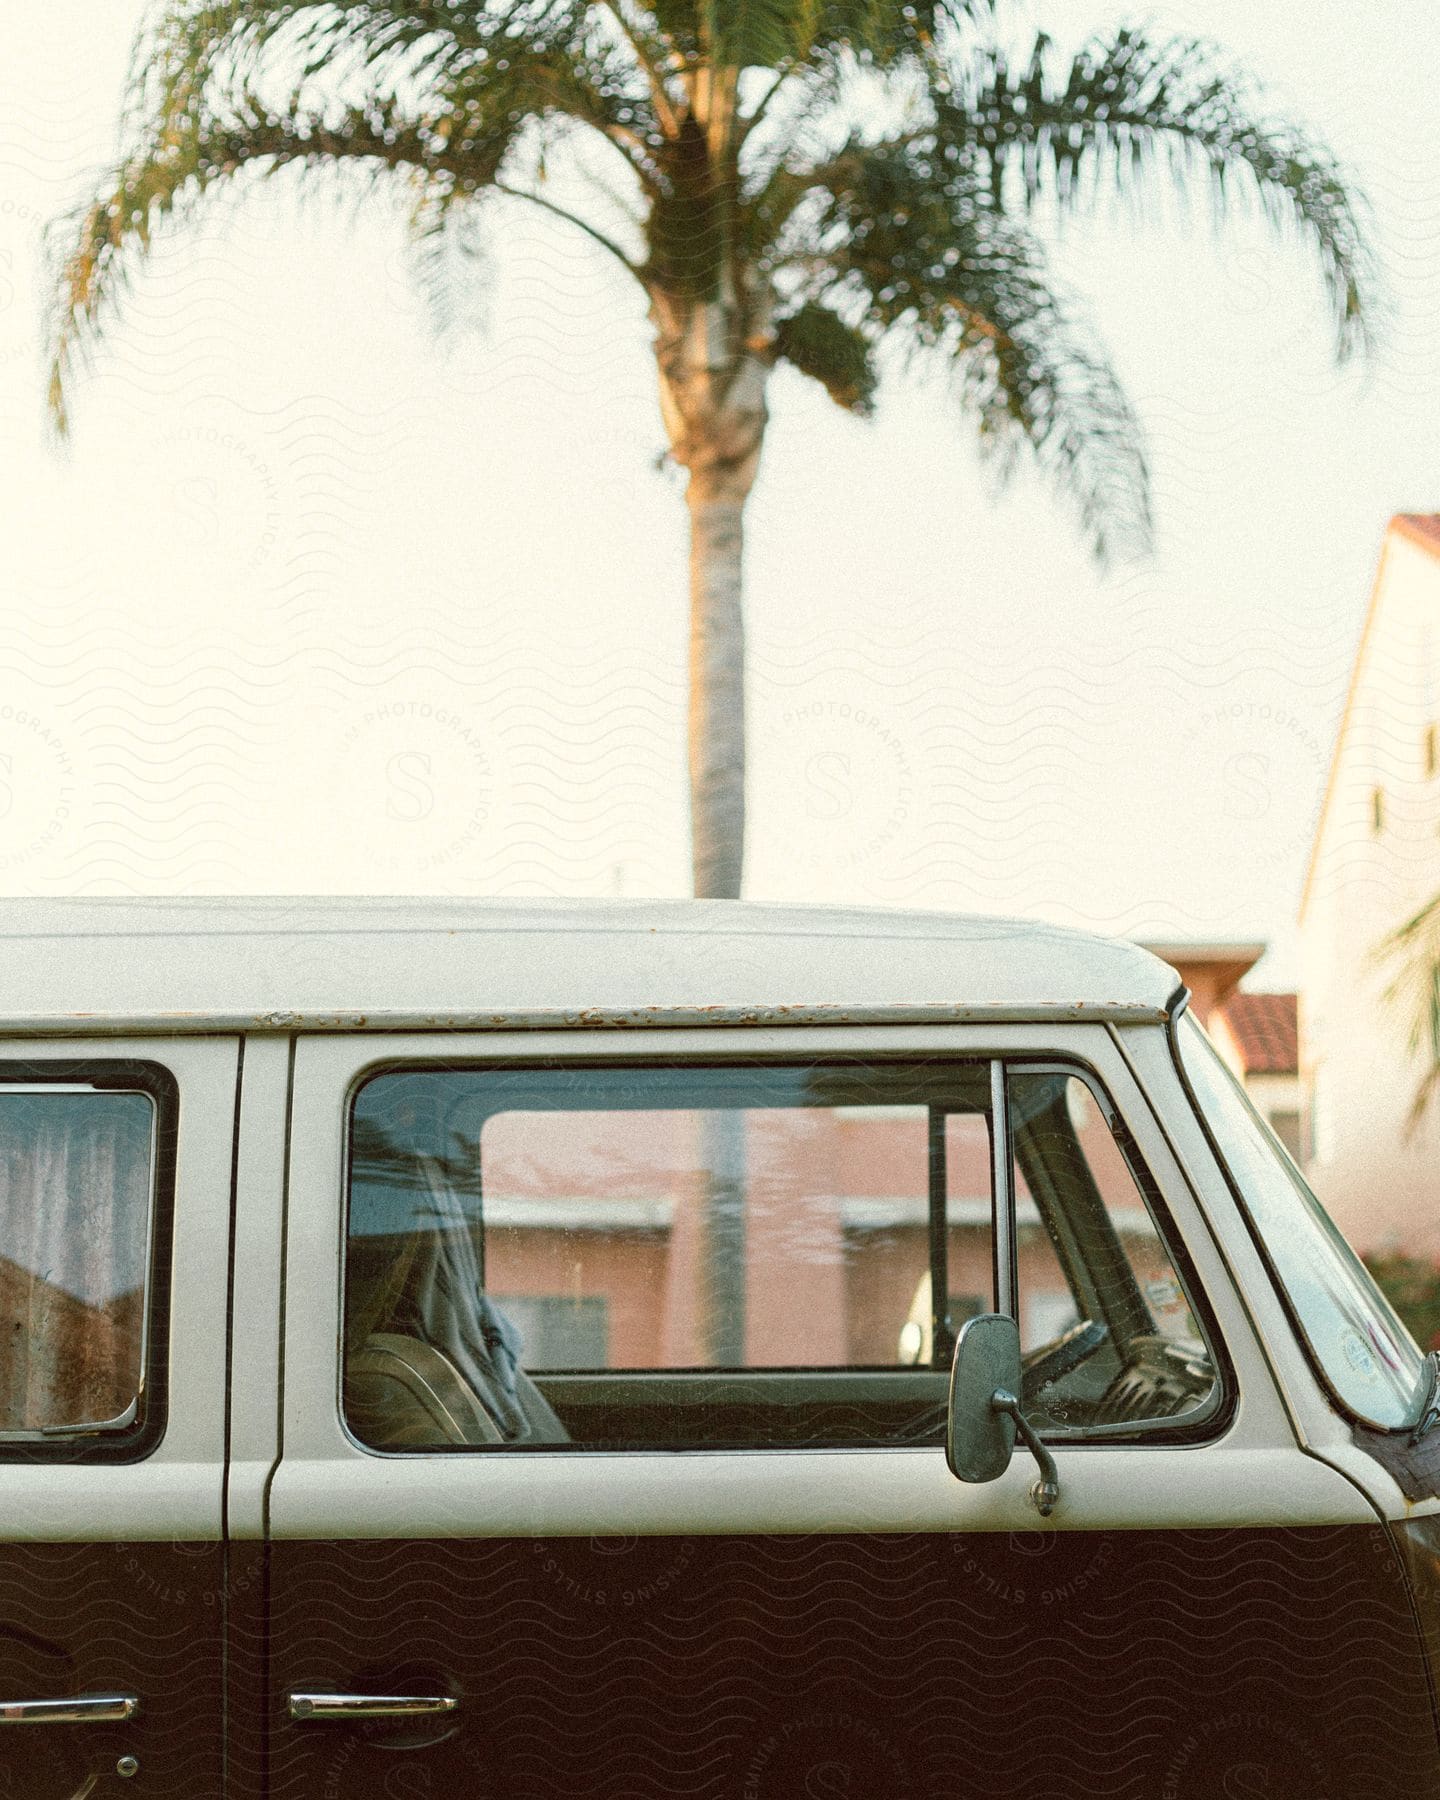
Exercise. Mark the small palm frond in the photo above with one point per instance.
(448, 258)
(928, 257)
(1412, 950)
(819, 343)
(1128, 113)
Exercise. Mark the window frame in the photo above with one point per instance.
(1299, 1329)
(138, 1437)
(1211, 1425)
(1216, 1420)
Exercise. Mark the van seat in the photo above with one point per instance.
(401, 1393)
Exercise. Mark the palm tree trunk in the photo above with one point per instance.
(717, 688)
(724, 1256)
(713, 372)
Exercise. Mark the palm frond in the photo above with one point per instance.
(926, 255)
(820, 344)
(783, 34)
(443, 96)
(112, 237)
(207, 60)
(735, 34)
(183, 39)
(194, 55)
(1412, 951)
(447, 257)
(766, 34)
(884, 31)
(1128, 112)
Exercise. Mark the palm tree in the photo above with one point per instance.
(797, 181)
(1412, 952)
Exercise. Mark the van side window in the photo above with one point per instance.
(665, 1256)
(1106, 1331)
(77, 1180)
(736, 1256)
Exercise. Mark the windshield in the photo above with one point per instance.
(1365, 1354)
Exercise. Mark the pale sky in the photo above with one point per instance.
(317, 602)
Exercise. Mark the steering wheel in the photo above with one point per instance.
(1065, 1355)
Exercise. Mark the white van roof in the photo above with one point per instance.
(347, 964)
(351, 963)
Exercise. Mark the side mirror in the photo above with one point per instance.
(985, 1416)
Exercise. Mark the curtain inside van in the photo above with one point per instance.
(75, 1207)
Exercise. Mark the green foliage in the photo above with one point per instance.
(934, 258)
(1412, 1286)
(821, 345)
(689, 215)
(742, 34)
(744, 165)
(1413, 952)
(1128, 112)
(782, 34)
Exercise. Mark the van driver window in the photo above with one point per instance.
(1107, 1335)
(678, 1257)
(76, 1190)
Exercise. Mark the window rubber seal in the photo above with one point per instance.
(139, 1440)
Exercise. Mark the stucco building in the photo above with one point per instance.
(1374, 863)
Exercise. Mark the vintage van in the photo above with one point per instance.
(678, 1352)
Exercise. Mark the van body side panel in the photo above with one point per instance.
(96, 1618)
(112, 1574)
(1417, 1541)
(1198, 1621)
(1141, 1665)
(246, 1665)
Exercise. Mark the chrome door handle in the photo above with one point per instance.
(325, 1707)
(82, 1709)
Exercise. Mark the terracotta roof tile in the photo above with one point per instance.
(1265, 1030)
(1420, 528)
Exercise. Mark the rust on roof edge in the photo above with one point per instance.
(281, 1020)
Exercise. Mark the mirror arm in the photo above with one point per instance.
(1046, 1491)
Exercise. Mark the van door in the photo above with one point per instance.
(115, 1161)
(628, 1479)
